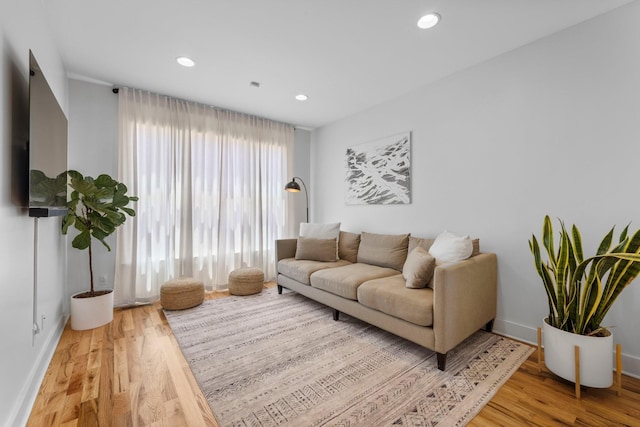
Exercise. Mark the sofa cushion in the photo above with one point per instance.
(450, 248)
(383, 250)
(344, 281)
(316, 249)
(414, 242)
(476, 247)
(301, 270)
(418, 268)
(348, 246)
(391, 296)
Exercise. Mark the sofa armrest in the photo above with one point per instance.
(285, 248)
(464, 299)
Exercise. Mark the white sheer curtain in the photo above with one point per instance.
(211, 188)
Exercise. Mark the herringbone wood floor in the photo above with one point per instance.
(132, 373)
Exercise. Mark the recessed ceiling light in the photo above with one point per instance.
(185, 62)
(302, 97)
(428, 21)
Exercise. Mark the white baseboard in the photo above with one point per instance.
(27, 397)
(630, 364)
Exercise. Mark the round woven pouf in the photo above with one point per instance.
(182, 293)
(246, 281)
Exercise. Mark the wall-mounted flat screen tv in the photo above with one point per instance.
(47, 147)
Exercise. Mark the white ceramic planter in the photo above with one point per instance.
(89, 313)
(596, 356)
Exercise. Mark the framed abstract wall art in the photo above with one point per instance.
(379, 172)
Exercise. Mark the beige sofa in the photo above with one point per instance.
(367, 283)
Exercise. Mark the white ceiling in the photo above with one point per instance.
(346, 55)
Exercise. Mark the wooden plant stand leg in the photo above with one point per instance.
(540, 361)
(577, 359)
(618, 385)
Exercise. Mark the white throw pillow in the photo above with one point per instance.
(449, 248)
(321, 231)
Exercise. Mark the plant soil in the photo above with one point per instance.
(90, 294)
(600, 332)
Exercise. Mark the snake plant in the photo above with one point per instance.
(581, 290)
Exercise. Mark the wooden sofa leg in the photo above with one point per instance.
(336, 315)
(442, 360)
(489, 326)
(279, 289)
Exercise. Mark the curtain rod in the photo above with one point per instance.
(117, 89)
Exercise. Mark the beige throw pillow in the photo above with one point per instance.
(321, 231)
(418, 268)
(316, 249)
(383, 250)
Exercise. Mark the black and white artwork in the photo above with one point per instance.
(378, 172)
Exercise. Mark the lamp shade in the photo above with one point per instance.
(292, 187)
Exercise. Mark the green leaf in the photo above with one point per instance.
(104, 194)
(547, 238)
(101, 236)
(105, 181)
(82, 240)
(129, 211)
(67, 221)
(577, 244)
(546, 280)
(606, 243)
(75, 175)
(80, 224)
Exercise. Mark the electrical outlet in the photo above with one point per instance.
(102, 280)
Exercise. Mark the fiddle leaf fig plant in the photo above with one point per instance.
(95, 209)
(580, 291)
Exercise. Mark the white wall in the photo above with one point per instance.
(550, 128)
(23, 362)
(93, 150)
(301, 168)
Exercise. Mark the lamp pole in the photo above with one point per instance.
(294, 187)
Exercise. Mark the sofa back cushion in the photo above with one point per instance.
(384, 250)
(348, 246)
(415, 242)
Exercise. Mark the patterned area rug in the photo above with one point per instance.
(269, 359)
